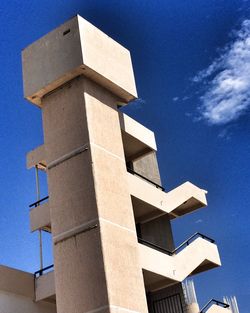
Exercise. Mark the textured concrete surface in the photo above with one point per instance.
(76, 48)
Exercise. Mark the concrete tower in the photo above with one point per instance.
(108, 215)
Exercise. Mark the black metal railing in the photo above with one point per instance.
(131, 171)
(154, 246)
(37, 203)
(192, 238)
(180, 247)
(43, 271)
(213, 301)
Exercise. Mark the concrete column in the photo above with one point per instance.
(95, 246)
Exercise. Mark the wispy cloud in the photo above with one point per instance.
(227, 81)
(198, 221)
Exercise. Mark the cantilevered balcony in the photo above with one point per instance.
(40, 215)
(45, 284)
(162, 268)
(150, 200)
(37, 157)
(215, 306)
(137, 139)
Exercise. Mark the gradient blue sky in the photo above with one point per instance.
(191, 62)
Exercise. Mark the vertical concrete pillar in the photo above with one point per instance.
(95, 245)
(77, 75)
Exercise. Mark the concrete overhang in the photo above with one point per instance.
(40, 218)
(45, 287)
(36, 157)
(77, 48)
(150, 202)
(161, 270)
(137, 139)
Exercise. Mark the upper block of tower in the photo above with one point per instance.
(77, 48)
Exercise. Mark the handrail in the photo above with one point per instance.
(186, 242)
(37, 203)
(41, 271)
(131, 171)
(150, 244)
(217, 302)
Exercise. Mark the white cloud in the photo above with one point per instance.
(227, 81)
(198, 221)
(175, 99)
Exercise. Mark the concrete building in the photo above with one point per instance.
(108, 215)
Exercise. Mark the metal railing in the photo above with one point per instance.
(191, 239)
(154, 246)
(131, 171)
(180, 247)
(213, 301)
(43, 271)
(37, 203)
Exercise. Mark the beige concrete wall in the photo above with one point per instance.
(95, 268)
(179, 201)
(137, 130)
(16, 281)
(12, 303)
(119, 242)
(40, 217)
(45, 287)
(107, 59)
(198, 256)
(76, 48)
(158, 231)
(137, 139)
(36, 157)
(17, 293)
(147, 166)
(79, 271)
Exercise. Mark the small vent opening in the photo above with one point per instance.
(66, 32)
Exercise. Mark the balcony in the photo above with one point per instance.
(40, 215)
(162, 268)
(150, 200)
(215, 306)
(137, 139)
(37, 157)
(45, 285)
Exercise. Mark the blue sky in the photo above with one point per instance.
(192, 66)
